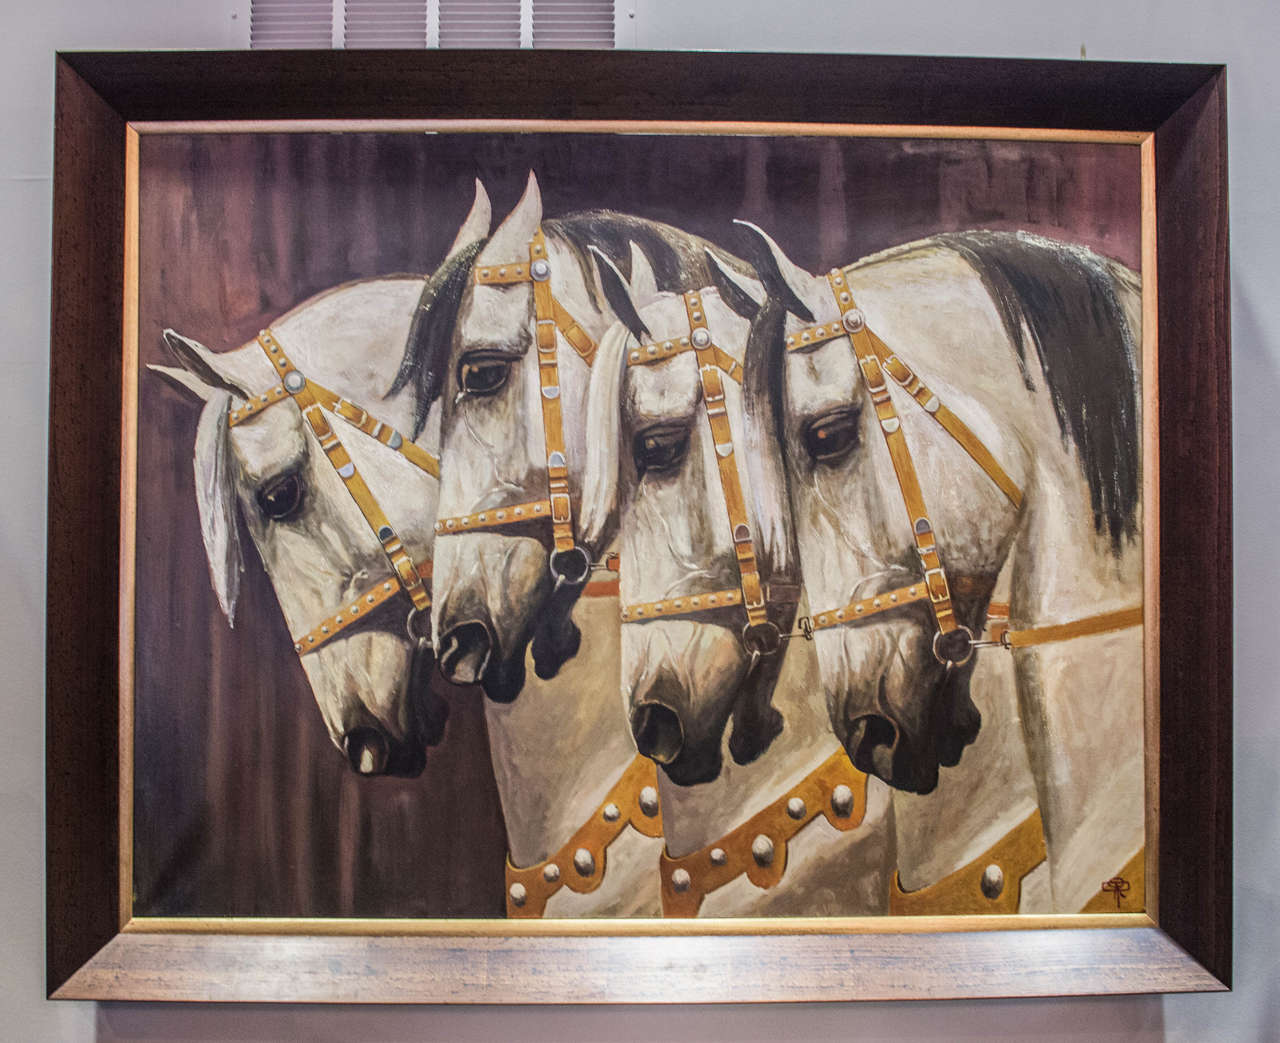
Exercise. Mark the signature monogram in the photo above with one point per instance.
(1118, 886)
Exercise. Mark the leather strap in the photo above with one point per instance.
(494, 517)
(357, 416)
(1099, 624)
(580, 864)
(361, 605)
(713, 402)
(991, 883)
(935, 577)
(660, 351)
(836, 790)
(866, 607)
(682, 605)
(904, 376)
(304, 396)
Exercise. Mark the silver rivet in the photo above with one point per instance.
(762, 850)
(859, 606)
(635, 356)
(324, 629)
(718, 857)
(540, 270)
(584, 862)
(680, 881)
(649, 801)
(875, 603)
(652, 349)
(501, 272)
(796, 808)
(551, 872)
(297, 647)
(893, 597)
(822, 619)
(701, 338)
(449, 524)
(842, 801)
(386, 586)
(501, 515)
(518, 895)
(992, 881)
(853, 320)
(370, 599)
(293, 381)
(933, 405)
(845, 297)
(611, 812)
(519, 511)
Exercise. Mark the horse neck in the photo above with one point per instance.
(562, 744)
(979, 800)
(695, 816)
(1081, 699)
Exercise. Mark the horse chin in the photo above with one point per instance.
(556, 637)
(696, 765)
(882, 746)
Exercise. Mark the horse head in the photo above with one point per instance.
(895, 669)
(702, 619)
(338, 503)
(507, 347)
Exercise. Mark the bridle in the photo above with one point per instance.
(760, 635)
(569, 562)
(314, 401)
(953, 642)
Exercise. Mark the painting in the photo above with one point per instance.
(548, 524)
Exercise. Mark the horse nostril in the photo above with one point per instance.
(871, 744)
(367, 750)
(658, 732)
(465, 654)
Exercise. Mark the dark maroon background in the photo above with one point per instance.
(241, 804)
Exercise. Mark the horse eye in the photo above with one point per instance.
(280, 499)
(829, 438)
(659, 448)
(482, 374)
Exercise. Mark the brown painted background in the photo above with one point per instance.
(241, 804)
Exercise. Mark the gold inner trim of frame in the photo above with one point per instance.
(630, 927)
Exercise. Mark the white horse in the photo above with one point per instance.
(368, 667)
(789, 826)
(989, 383)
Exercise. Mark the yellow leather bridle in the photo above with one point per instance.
(875, 359)
(314, 401)
(760, 636)
(569, 562)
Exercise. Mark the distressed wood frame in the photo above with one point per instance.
(1185, 942)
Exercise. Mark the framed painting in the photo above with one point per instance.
(761, 539)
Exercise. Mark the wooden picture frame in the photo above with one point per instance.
(1182, 944)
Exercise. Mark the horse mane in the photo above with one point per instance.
(762, 399)
(426, 351)
(604, 414)
(1064, 297)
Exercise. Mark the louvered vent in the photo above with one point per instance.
(291, 23)
(385, 23)
(573, 23)
(479, 23)
(431, 23)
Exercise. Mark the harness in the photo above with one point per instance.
(313, 402)
(760, 636)
(569, 562)
(953, 642)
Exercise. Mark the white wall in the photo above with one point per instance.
(1240, 32)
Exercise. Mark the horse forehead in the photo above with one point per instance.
(271, 443)
(821, 378)
(497, 316)
(662, 391)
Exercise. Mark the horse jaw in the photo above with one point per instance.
(476, 225)
(511, 241)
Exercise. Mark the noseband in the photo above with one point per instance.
(760, 636)
(313, 401)
(569, 562)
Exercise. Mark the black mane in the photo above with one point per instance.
(1066, 298)
(677, 259)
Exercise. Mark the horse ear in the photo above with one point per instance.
(185, 380)
(644, 284)
(476, 225)
(742, 294)
(216, 502)
(511, 241)
(618, 294)
(782, 277)
(216, 371)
